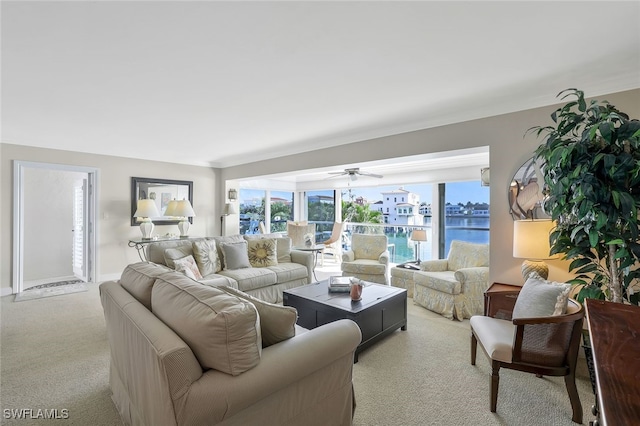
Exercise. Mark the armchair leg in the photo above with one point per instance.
(574, 397)
(495, 379)
(474, 348)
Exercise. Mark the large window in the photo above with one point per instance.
(321, 208)
(252, 203)
(466, 212)
(281, 210)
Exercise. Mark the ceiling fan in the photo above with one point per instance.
(354, 172)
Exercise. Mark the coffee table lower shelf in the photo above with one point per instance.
(381, 311)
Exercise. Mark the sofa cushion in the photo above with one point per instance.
(171, 254)
(541, 298)
(206, 255)
(251, 278)
(364, 266)
(262, 252)
(138, 279)
(222, 331)
(235, 255)
(443, 281)
(277, 323)
(286, 272)
(188, 266)
(467, 255)
(225, 239)
(155, 250)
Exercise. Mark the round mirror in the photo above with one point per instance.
(525, 192)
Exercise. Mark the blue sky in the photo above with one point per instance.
(456, 192)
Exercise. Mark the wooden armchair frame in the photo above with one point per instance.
(531, 355)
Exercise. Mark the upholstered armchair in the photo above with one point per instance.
(368, 258)
(454, 287)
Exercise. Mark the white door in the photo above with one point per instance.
(79, 230)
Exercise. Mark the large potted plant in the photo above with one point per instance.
(591, 166)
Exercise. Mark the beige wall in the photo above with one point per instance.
(114, 198)
(509, 148)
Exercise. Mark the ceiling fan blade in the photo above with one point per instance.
(371, 175)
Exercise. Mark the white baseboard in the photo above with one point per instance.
(109, 277)
(6, 291)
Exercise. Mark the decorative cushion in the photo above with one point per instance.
(283, 248)
(171, 254)
(235, 255)
(222, 331)
(541, 298)
(277, 323)
(187, 265)
(138, 279)
(206, 255)
(262, 253)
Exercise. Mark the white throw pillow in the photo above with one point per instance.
(206, 255)
(541, 298)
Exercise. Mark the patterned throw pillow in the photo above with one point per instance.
(541, 298)
(187, 265)
(262, 253)
(206, 255)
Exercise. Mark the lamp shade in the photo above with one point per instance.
(183, 209)
(146, 208)
(229, 208)
(531, 239)
(419, 235)
(171, 208)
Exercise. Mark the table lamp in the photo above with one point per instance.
(146, 210)
(531, 242)
(418, 235)
(184, 211)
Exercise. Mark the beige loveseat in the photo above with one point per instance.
(183, 353)
(290, 268)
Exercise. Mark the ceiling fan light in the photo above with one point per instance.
(353, 176)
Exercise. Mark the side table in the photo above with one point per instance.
(316, 250)
(499, 300)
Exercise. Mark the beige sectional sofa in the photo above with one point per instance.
(183, 353)
(266, 281)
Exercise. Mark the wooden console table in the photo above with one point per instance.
(614, 329)
(499, 300)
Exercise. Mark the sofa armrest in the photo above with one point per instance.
(304, 258)
(437, 265)
(284, 364)
(477, 277)
(348, 256)
(384, 257)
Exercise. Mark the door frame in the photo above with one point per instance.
(19, 167)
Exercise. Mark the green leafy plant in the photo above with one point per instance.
(591, 165)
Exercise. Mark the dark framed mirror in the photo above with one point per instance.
(525, 192)
(162, 191)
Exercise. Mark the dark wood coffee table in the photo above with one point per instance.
(381, 311)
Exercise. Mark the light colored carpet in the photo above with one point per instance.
(54, 354)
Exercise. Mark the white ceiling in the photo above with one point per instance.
(226, 83)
